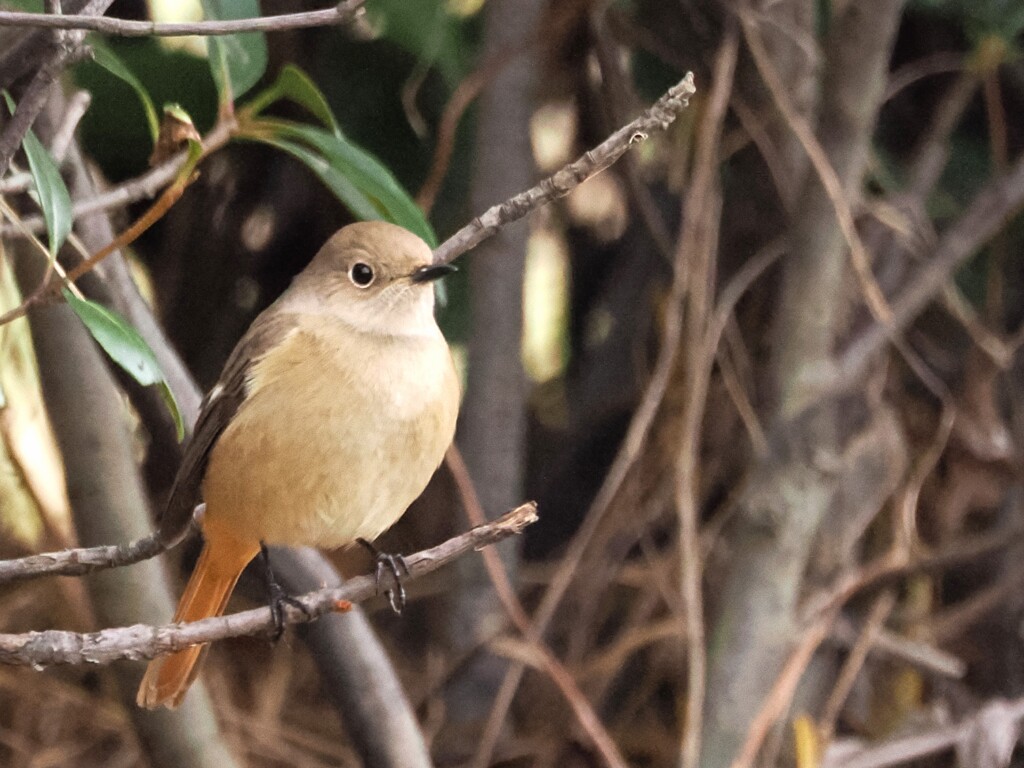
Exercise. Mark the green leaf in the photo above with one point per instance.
(361, 170)
(125, 347)
(237, 62)
(53, 194)
(110, 61)
(335, 180)
(295, 85)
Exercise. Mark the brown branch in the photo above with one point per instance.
(461, 99)
(696, 252)
(657, 118)
(992, 206)
(827, 171)
(340, 14)
(905, 749)
(859, 650)
(916, 653)
(141, 187)
(49, 289)
(145, 642)
(588, 719)
(33, 99)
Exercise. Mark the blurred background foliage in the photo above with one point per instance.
(598, 273)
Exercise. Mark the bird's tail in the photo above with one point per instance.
(222, 561)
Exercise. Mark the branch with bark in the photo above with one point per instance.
(83, 560)
(145, 642)
(657, 118)
(64, 50)
(341, 13)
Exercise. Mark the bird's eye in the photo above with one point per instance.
(361, 274)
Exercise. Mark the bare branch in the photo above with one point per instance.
(342, 13)
(657, 118)
(83, 560)
(145, 642)
(142, 187)
(992, 206)
(907, 748)
(33, 100)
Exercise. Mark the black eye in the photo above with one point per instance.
(361, 274)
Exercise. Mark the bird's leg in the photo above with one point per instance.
(396, 566)
(277, 596)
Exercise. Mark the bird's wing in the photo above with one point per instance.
(216, 411)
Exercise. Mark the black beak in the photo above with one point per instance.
(433, 272)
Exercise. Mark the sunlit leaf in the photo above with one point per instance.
(125, 347)
(110, 61)
(237, 62)
(53, 194)
(295, 85)
(176, 131)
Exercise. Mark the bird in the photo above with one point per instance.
(330, 417)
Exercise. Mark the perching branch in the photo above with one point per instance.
(340, 14)
(145, 642)
(657, 118)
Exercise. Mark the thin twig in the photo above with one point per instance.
(991, 207)
(894, 566)
(859, 258)
(463, 96)
(33, 99)
(697, 248)
(657, 118)
(907, 749)
(142, 187)
(77, 105)
(851, 668)
(924, 656)
(145, 642)
(546, 660)
(49, 289)
(340, 14)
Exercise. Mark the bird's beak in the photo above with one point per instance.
(432, 272)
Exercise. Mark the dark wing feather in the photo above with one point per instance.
(215, 413)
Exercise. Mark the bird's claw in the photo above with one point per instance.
(394, 565)
(278, 598)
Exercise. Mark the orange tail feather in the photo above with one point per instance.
(221, 563)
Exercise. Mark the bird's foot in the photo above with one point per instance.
(397, 567)
(277, 597)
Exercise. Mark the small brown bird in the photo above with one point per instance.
(328, 420)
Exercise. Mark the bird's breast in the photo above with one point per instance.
(338, 434)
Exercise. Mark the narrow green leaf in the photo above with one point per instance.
(336, 181)
(110, 61)
(295, 85)
(172, 407)
(237, 62)
(363, 170)
(53, 194)
(125, 347)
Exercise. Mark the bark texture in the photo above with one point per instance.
(790, 491)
